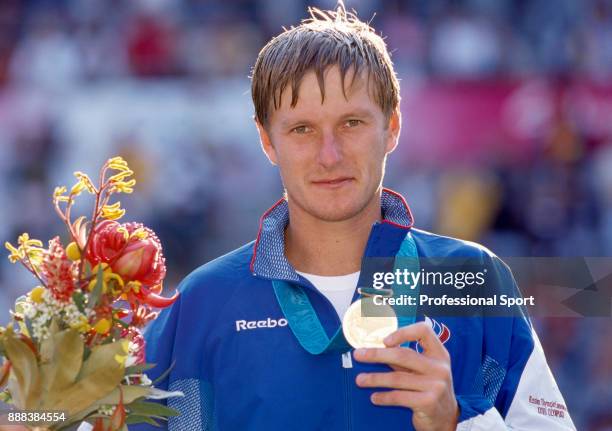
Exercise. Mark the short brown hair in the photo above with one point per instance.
(325, 39)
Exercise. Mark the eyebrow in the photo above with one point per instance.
(291, 122)
(360, 113)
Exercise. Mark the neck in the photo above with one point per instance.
(329, 248)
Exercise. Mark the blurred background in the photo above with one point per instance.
(506, 140)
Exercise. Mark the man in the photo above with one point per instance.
(241, 342)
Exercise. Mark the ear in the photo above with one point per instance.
(393, 130)
(266, 143)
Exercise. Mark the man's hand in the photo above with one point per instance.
(421, 382)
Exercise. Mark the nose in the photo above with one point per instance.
(330, 152)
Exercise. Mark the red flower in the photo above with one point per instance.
(134, 256)
(59, 271)
(141, 315)
(139, 341)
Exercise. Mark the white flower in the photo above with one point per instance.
(144, 380)
(106, 410)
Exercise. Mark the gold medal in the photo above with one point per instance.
(368, 331)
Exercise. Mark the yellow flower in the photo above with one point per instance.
(16, 254)
(121, 359)
(114, 277)
(119, 182)
(58, 195)
(37, 293)
(86, 181)
(116, 283)
(118, 164)
(73, 252)
(125, 345)
(103, 265)
(92, 285)
(140, 233)
(108, 277)
(124, 186)
(121, 175)
(59, 191)
(103, 326)
(24, 240)
(82, 325)
(113, 212)
(30, 248)
(77, 188)
(124, 231)
(134, 285)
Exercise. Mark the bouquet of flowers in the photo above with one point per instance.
(74, 351)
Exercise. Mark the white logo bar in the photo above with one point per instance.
(245, 325)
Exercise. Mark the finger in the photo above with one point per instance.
(422, 333)
(410, 399)
(400, 357)
(393, 380)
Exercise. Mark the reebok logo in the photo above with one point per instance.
(245, 325)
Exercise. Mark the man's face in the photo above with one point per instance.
(331, 155)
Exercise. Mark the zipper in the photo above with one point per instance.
(347, 360)
(347, 365)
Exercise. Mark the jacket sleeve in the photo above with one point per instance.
(516, 381)
(173, 345)
(160, 336)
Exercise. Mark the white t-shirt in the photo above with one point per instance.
(338, 289)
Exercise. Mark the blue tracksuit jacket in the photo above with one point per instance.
(241, 368)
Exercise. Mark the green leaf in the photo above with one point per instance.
(138, 369)
(47, 346)
(66, 358)
(122, 323)
(79, 301)
(115, 333)
(98, 377)
(137, 419)
(24, 381)
(130, 394)
(88, 389)
(94, 296)
(149, 408)
(102, 357)
(111, 336)
(5, 397)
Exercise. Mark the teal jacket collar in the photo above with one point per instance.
(269, 260)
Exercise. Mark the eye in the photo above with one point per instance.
(353, 123)
(300, 130)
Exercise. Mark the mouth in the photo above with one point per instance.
(332, 183)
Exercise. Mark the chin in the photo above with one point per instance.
(337, 206)
(334, 211)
